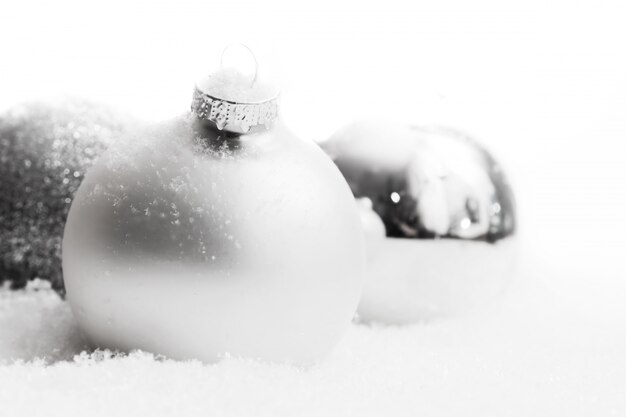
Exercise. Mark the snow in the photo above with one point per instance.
(537, 352)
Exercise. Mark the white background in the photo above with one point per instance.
(543, 84)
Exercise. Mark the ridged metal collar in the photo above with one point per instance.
(232, 116)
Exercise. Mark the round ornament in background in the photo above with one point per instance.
(438, 215)
(217, 232)
(45, 150)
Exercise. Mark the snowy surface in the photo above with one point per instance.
(535, 352)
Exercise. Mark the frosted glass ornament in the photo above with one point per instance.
(448, 241)
(196, 240)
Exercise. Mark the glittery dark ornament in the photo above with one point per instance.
(45, 149)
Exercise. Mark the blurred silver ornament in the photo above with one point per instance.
(196, 240)
(45, 150)
(439, 218)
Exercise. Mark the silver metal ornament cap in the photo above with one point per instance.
(236, 102)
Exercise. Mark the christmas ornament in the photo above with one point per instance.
(439, 219)
(45, 150)
(218, 232)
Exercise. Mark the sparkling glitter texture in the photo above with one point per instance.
(45, 149)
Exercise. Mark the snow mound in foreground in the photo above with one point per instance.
(532, 355)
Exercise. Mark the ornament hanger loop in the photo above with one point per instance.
(250, 54)
(224, 100)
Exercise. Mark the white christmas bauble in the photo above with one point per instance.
(195, 242)
(439, 220)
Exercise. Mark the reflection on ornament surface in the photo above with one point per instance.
(45, 150)
(448, 214)
(193, 242)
